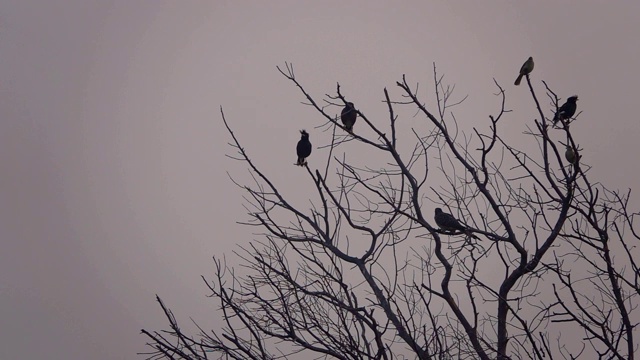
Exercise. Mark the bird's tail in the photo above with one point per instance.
(518, 80)
(470, 234)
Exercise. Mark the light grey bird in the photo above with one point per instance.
(571, 155)
(449, 223)
(526, 69)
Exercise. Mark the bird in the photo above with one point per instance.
(567, 109)
(449, 223)
(348, 117)
(526, 69)
(572, 156)
(303, 149)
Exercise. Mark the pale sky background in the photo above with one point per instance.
(114, 184)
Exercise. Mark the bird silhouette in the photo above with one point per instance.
(348, 117)
(567, 110)
(526, 69)
(572, 156)
(449, 223)
(303, 149)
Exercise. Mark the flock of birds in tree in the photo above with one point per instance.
(445, 221)
(303, 149)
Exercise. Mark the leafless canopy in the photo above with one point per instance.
(547, 270)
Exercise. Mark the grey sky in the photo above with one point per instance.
(112, 150)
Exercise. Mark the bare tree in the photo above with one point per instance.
(544, 269)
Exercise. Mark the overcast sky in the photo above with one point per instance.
(114, 184)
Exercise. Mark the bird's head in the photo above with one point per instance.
(438, 211)
(304, 133)
(573, 98)
(350, 104)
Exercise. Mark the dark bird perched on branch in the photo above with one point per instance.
(447, 222)
(526, 69)
(348, 117)
(572, 156)
(303, 149)
(567, 109)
